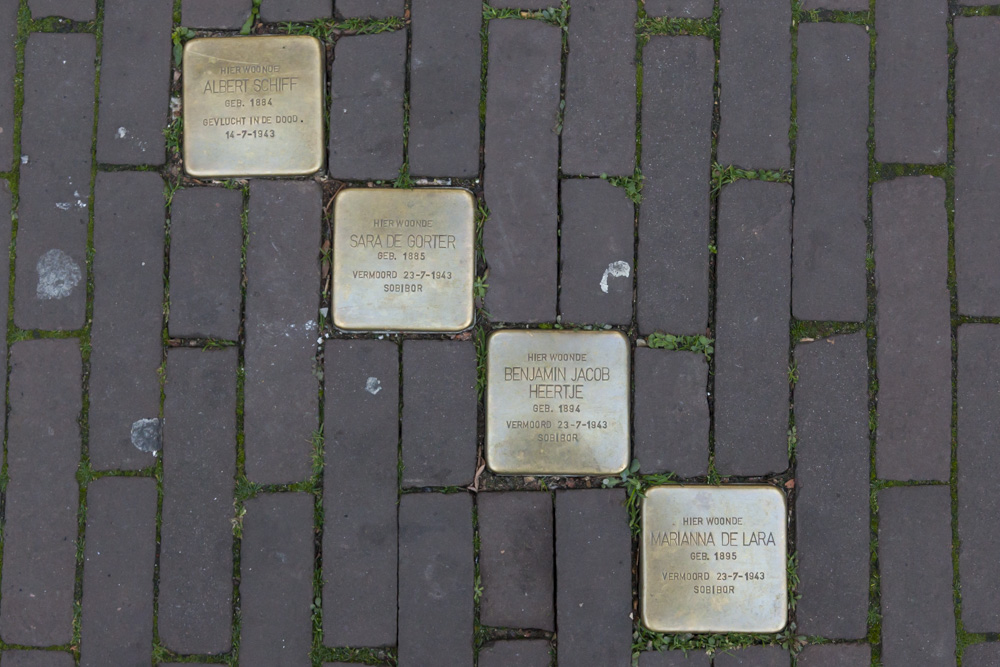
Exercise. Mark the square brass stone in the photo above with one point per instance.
(403, 260)
(253, 106)
(557, 402)
(713, 559)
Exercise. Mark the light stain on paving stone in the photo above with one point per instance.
(58, 275)
(145, 435)
(713, 559)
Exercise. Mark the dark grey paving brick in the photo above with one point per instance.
(5, 236)
(835, 655)
(276, 567)
(833, 474)
(751, 362)
(128, 319)
(593, 591)
(674, 659)
(445, 55)
(439, 412)
(521, 172)
(37, 659)
(914, 329)
(40, 527)
(677, 102)
(117, 626)
(366, 115)
(282, 303)
(754, 656)
(8, 19)
(57, 129)
(199, 465)
(978, 494)
(755, 77)
(77, 10)
(911, 81)
(135, 91)
(671, 412)
(206, 237)
(365, 8)
(598, 246)
(914, 543)
(985, 654)
(274, 11)
(831, 174)
(515, 560)
(219, 14)
(435, 579)
(526, 653)
(695, 9)
(599, 123)
(360, 481)
(977, 140)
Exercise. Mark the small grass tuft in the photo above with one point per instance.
(632, 184)
(665, 341)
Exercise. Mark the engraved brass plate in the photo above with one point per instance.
(557, 402)
(403, 260)
(253, 106)
(713, 559)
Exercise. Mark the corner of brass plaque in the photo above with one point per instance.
(733, 581)
(253, 106)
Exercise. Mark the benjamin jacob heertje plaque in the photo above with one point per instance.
(557, 402)
(253, 106)
(712, 559)
(403, 260)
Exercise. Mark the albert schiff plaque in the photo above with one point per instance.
(557, 402)
(713, 559)
(253, 106)
(403, 260)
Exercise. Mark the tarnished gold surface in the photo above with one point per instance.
(403, 260)
(713, 559)
(253, 106)
(557, 402)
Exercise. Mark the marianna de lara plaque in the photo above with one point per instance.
(557, 402)
(403, 260)
(713, 559)
(253, 106)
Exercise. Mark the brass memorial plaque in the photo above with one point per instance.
(253, 106)
(403, 260)
(713, 559)
(557, 402)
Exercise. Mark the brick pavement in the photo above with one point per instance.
(198, 469)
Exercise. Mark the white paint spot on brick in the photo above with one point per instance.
(373, 386)
(615, 270)
(146, 435)
(58, 274)
(121, 133)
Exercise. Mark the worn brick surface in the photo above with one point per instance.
(282, 303)
(599, 123)
(978, 494)
(914, 329)
(439, 412)
(677, 102)
(831, 174)
(40, 518)
(373, 8)
(56, 136)
(361, 427)
(37, 659)
(135, 91)
(276, 569)
(220, 14)
(515, 560)
(977, 172)
(5, 237)
(751, 361)
(755, 77)
(911, 81)
(593, 591)
(117, 626)
(914, 544)
(295, 10)
(435, 579)
(128, 318)
(199, 465)
(446, 50)
(671, 412)
(521, 172)
(832, 482)
(8, 19)
(597, 250)
(985, 654)
(839, 655)
(206, 237)
(674, 659)
(754, 656)
(695, 9)
(527, 653)
(366, 115)
(77, 10)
